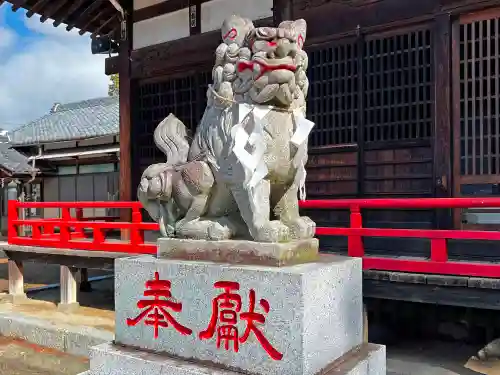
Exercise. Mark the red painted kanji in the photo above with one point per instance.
(155, 311)
(226, 310)
(252, 317)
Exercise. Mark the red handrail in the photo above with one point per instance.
(400, 203)
(72, 233)
(437, 262)
(102, 204)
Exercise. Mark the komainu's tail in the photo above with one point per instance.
(171, 137)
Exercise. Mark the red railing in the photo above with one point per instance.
(72, 229)
(438, 262)
(72, 232)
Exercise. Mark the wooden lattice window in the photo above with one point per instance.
(333, 94)
(479, 97)
(184, 96)
(398, 85)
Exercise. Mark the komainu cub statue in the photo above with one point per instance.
(243, 174)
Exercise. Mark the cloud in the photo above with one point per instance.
(7, 38)
(52, 65)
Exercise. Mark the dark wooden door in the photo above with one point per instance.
(372, 99)
(476, 88)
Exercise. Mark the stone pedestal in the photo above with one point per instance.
(240, 252)
(190, 317)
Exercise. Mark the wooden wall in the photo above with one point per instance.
(382, 94)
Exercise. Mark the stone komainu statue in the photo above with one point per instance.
(242, 175)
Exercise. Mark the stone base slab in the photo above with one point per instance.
(312, 312)
(68, 307)
(240, 252)
(108, 359)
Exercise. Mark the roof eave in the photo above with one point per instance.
(42, 143)
(96, 17)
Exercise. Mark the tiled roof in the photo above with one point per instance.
(13, 161)
(69, 122)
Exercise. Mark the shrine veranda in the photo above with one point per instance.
(177, 316)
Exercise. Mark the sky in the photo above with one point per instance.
(40, 65)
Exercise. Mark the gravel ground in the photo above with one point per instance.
(21, 358)
(404, 357)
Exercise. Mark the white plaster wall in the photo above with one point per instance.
(161, 29)
(139, 4)
(214, 12)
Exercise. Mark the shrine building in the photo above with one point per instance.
(404, 95)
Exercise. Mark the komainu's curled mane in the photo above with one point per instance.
(243, 173)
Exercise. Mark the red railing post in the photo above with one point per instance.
(79, 232)
(98, 236)
(12, 215)
(79, 214)
(355, 242)
(48, 229)
(36, 234)
(439, 250)
(64, 229)
(136, 234)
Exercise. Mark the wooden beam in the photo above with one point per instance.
(282, 11)
(161, 8)
(50, 11)
(17, 4)
(97, 17)
(115, 32)
(86, 11)
(334, 18)
(74, 7)
(103, 25)
(36, 8)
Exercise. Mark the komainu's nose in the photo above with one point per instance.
(284, 48)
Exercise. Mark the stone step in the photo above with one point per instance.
(109, 359)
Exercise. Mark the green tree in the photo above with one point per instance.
(114, 85)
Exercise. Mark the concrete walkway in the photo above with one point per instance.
(405, 367)
(67, 334)
(40, 322)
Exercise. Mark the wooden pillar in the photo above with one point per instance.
(16, 282)
(365, 324)
(361, 170)
(69, 298)
(443, 115)
(282, 11)
(124, 70)
(85, 285)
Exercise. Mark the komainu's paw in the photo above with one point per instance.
(272, 231)
(301, 228)
(219, 232)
